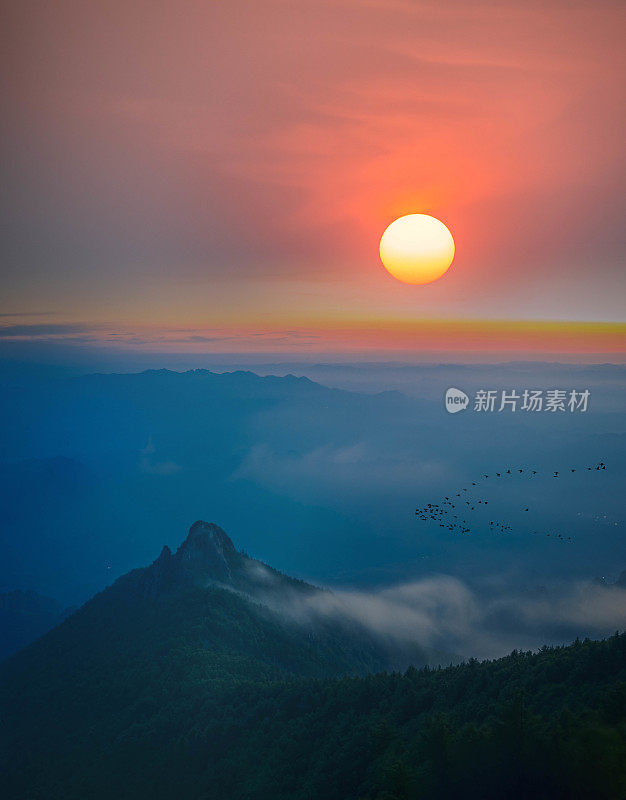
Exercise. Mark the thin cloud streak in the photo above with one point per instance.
(445, 613)
(354, 335)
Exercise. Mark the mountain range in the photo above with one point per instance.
(98, 471)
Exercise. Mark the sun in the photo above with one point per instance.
(417, 248)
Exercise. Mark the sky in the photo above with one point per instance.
(215, 177)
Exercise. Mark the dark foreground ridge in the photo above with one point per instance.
(184, 680)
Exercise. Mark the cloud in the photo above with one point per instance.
(445, 613)
(43, 330)
(352, 468)
(28, 314)
(152, 466)
(260, 573)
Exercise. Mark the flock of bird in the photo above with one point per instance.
(452, 512)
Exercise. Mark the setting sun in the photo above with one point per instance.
(417, 248)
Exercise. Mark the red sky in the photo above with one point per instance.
(186, 170)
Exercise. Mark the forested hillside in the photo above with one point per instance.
(185, 680)
(545, 725)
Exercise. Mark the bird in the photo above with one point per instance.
(439, 513)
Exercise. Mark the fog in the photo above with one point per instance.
(443, 612)
(98, 472)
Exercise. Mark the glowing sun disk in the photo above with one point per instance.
(417, 248)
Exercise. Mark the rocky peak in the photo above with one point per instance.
(166, 554)
(207, 554)
(203, 538)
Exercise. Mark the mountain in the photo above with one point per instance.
(204, 616)
(24, 617)
(129, 443)
(208, 557)
(327, 479)
(201, 676)
(128, 698)
(211, 611)
(230, 610)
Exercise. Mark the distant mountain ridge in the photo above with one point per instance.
(274, 456)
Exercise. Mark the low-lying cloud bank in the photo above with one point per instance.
(444, 613)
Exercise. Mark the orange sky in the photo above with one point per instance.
(183, 167)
